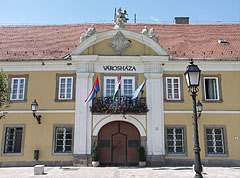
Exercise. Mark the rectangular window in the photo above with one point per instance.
(175, 140)
(13, 140)
(173, 88)
(211, 88)
(63, 140)
(109, 86)
(127, 86)
(65, 88)
(215, 140)
(17, 89)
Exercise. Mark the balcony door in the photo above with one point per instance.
(127, 85)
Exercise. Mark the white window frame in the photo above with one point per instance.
(65, 93)
(18, 89)
(179, 88)
(64, 140)
(122, 85)
(214, 140)
(105, 83)
(217, 85)
(175, 140)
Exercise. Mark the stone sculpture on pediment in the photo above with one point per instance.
(145, 31)
(120, 19)
(89, 32)
(119, 43)
(150, 33)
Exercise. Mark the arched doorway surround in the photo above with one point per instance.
(118, 144)
(139, 122)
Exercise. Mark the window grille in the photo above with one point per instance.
(13, 140)
(175, 140)
(63, 140)
(215, 141)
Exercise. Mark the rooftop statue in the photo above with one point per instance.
(89, 32)
(150, 33)
(120, 19)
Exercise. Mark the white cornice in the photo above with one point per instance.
(39, 111)
(203, 112)
(166, 111)
(97, 61)
(203, 65)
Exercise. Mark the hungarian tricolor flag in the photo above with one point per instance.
(92, 93)
(117, 87)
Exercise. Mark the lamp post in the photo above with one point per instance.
(34, 107)
(192, 76)
(199, 108)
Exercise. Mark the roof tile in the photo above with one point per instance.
(180, 41)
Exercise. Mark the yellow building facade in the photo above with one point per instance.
(61, 76)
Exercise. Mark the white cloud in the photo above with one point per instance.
(154, 19)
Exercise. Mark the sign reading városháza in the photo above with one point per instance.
(119, 68)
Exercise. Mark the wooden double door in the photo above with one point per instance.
(118, 144)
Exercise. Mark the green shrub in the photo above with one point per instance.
(95, 154)
(142, 155)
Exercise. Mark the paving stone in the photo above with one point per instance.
(119, 172)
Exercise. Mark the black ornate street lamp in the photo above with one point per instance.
(199, 108)
(192, 76)
(34, 107)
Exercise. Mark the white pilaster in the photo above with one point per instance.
(82, 133)
(155, 116)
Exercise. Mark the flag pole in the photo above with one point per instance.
(119, 93)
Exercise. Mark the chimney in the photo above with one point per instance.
(181, 20)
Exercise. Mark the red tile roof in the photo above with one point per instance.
(180, 41)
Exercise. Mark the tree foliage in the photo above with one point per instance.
(4, 90)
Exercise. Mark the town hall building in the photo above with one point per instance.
(57, 66)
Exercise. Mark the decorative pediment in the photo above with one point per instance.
(119, 43)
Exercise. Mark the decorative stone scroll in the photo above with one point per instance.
(150, 33)
(120, 19)
(89, 32)
(119, 43)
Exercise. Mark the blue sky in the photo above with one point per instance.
(42, 12)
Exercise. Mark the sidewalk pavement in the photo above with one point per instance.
(119, 172)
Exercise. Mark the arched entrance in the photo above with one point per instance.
(118, 144)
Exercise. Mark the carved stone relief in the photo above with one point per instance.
(119, 43)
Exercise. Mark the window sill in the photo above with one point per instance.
(62, 154)
(174, 101)
(212, 101)
(216, 155)
(18, 101)
(12, 154)
(176, 154)
(66, 100)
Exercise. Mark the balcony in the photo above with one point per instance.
(122, 105)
